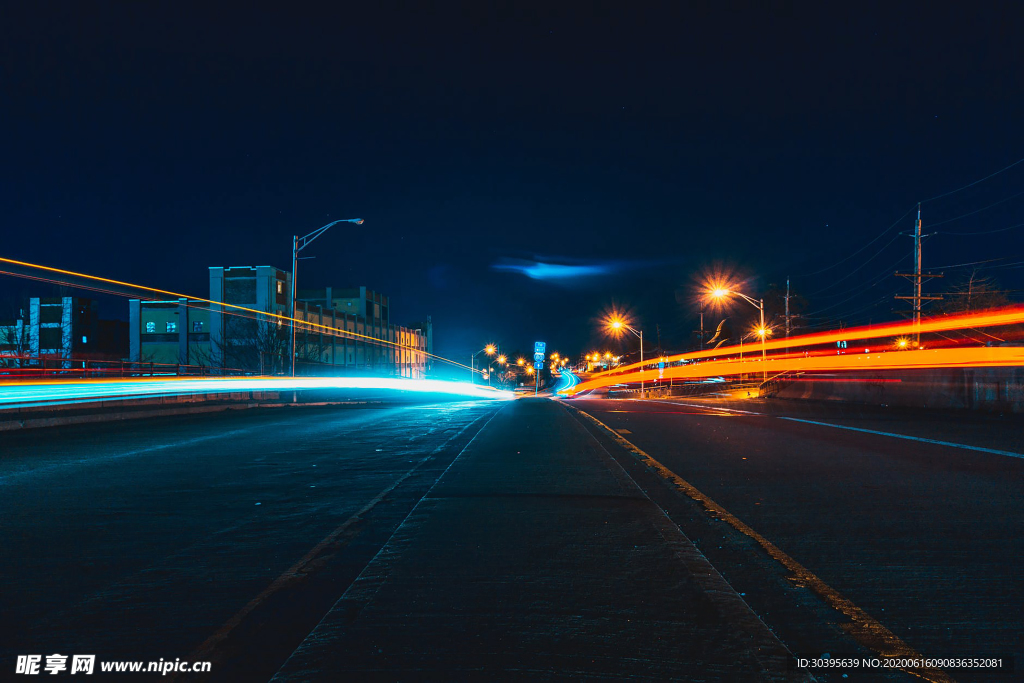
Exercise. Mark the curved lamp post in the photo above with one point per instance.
(762, 331)
(619, 325)
(298, 244)
(490, 350)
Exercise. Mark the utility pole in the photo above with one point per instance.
(918, 278)
(787, 306)
(701, 330)
(702, 327)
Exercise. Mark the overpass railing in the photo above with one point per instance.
(33, 367)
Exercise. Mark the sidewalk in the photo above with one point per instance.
(534, 556)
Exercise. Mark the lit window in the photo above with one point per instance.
(150, 327)
(172, 327)
(280, 287)
(85, 340)
(197, 325)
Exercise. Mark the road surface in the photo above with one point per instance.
(523, 539)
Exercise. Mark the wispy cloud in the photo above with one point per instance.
(564, 269)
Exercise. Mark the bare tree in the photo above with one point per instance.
(250, 344)
(975, 292)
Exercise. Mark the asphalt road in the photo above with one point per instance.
(143, 539)
(485, 540)
(926, 538)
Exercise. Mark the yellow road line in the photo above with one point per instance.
(865, 629)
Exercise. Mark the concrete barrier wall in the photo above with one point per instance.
(986, 389)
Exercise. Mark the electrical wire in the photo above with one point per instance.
(264, 314)
(969, 263)
(983, 232)
(855, 270)
(971, 213)
(976, 182)
(883, 234)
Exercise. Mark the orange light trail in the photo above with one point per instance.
(974, 357)
(263, 314)
(1007, 316)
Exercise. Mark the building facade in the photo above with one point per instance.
(169, 332)
(341, 330)
(65, 327)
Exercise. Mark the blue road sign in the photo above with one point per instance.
(538, 357)
(539, 347)
(539, 365)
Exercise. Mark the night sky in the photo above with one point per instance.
(521, 171)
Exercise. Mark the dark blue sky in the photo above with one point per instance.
(146, 143)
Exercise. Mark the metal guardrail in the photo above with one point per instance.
(773, 385)
(33, 367)
(14, 368)
(687, 390)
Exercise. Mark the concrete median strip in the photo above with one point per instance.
(868, 631)
(534, 554)
(770, 651)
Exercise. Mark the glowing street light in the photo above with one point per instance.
(762, 331)
(617, 325)
(490, 350)
(520, 361)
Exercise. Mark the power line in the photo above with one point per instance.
(860, 290)
(980, 180)
(870, 282)
(855, 270)
(971, 213)
(983, 232)
(883, 234)
(969, 263)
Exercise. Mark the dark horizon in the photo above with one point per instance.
(520, 172)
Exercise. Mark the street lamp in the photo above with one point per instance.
(762, 331)
(298, 244)
(490, 350)
(500, 360)
(617, 326)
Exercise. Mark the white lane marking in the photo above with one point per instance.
(909, 438)
(707, 407)
(964, 446)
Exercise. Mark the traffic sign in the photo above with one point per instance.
(539, 347)
(538, 357)
(539, 365)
